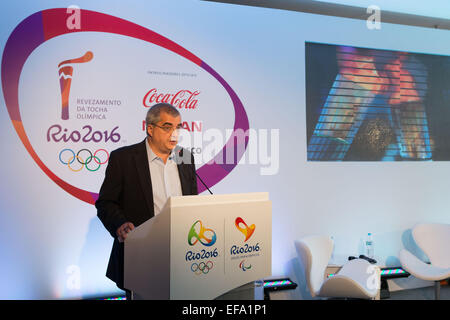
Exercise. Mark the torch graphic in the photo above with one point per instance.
(65, 71)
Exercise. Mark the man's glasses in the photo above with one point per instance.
(169, 128)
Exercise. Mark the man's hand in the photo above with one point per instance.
(123, 231)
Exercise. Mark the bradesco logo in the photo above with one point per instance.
(207, 237)
(247, 249)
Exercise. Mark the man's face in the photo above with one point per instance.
(164, 136)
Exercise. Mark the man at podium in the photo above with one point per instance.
(140, 178)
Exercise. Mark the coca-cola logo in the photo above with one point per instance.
(186, 99)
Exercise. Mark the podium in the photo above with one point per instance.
(200, 247)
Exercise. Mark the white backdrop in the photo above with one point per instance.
(52, 243)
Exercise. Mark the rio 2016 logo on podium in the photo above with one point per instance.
(247, 230)
(247, 250)
(200, 235)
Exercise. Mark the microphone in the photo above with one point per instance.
(203, 182)
(180, 153)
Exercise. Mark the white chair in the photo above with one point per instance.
(434, 240)
(352, 281)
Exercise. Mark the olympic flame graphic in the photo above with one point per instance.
(65, 80)
(199, 235)
(247, 230)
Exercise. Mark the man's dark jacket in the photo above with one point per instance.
(126, 195)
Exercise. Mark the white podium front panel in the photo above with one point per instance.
(219, 247)
(147, 259)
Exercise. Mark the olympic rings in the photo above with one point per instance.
(79, 159)
(202, 267)
(86, 162)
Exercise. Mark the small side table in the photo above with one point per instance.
(334, 268)
(386, 273)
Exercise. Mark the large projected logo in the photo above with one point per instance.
(376, 105)
(49, 24)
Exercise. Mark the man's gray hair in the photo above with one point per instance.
(153, 114)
